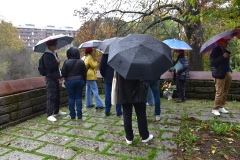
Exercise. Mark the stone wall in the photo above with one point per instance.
(23, 99)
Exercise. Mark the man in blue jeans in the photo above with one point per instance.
(154, 85)
(107, 74)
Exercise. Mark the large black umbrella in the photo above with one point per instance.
(140, 56)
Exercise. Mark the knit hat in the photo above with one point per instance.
(51, 42)
(88, 50)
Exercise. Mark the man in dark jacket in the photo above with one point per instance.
(51, 62)
(221, 72)
(107, 74)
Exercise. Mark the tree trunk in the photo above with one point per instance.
(194, 34)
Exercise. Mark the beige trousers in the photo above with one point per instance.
(222, 87)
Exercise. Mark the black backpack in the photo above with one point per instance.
(41, 67)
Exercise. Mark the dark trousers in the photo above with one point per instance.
(108, 103)
(140, 109)
(75, 89)
(53, 97)
(181, 89)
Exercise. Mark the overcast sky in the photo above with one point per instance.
(41, 13)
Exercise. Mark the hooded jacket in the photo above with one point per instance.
(74, 68)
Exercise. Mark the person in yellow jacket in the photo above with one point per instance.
(91, 85)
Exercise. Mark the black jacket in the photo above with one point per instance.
(130, 91)
(218, 62)
(70, 71)
(106, 70)
(52, 66)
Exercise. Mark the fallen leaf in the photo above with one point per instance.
(225, 156)
(230, 139)
(196, 149)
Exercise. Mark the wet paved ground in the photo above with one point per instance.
(99, 137)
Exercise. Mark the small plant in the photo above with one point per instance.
(219, 127)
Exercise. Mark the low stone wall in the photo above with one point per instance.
(23, 99)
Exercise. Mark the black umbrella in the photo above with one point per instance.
(140, 56)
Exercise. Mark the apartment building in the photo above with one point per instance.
(32, 35)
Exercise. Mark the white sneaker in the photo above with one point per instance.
(51, 118)
(157, 118)
(128, 142)
(60, 113)
(223, 110)
(148, 139)
(216, 112)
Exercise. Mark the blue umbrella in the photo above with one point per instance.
(177, 44)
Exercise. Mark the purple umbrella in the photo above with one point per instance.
(212, 42)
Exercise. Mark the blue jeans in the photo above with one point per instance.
(154, 85)
(75, 89)
(91, 87)
(108, 103)
(150, 98)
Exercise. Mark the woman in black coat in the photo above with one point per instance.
(74, 73)
(181, 74)
(132, 93)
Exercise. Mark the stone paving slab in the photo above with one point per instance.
(6, 138)
(89, 144)
(4, 150)
(129, 151)
(55, 138)
(25, 144)
(16, 155)
(93, 156)
(58, 151)
(83, 133)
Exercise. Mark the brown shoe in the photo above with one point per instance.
(179, 101)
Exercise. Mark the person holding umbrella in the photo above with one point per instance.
(181, 73)
(53, 75)
(221, 72)
(132, 93)
(91, 85)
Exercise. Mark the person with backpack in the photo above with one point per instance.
(53, 75)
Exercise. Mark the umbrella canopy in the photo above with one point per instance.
(212, 42)
(104, 46)
(92, 43)
(62, 40)
(177, 44)
(140, 56)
